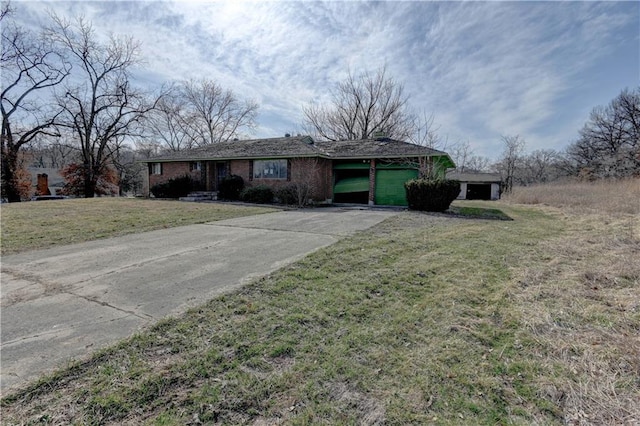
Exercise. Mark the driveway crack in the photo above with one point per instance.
(108, 305)
(292, 231)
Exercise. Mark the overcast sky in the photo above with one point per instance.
(483, 69)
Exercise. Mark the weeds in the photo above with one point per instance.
(607, 196)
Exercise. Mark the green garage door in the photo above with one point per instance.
(354, 184)
(390, 186)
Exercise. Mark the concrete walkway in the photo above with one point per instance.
(64, 303)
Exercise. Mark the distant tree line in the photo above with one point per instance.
(608, 147)
(609, 142)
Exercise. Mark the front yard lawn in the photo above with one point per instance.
(42, 224)
(423, 319)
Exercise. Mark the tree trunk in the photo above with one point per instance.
(89, 181)
(9, 183)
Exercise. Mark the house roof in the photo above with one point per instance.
(299, 146)
(296, 146)
(475, 177)
(374, 148)
(53, 175)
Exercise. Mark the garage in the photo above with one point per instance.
(351, 182)
(477, 186)
(390, 186)
(478, 191)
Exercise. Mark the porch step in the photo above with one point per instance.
(200, 196)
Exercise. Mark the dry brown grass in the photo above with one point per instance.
(622, 196)
(583, 303)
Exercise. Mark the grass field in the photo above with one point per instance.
(424, 319)
(34, 225)
(613, 197)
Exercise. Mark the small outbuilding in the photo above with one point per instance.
(46, 181)
(477, 186)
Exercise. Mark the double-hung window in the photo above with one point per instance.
(270, 169)
(156, 168)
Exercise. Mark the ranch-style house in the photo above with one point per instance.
(370, 171)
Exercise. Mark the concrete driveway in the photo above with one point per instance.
(64, 303)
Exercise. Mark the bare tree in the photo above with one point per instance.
(304, 180)
(461, 153)
(100, 107)
(510, 160)
(425, 133)
(609, 143)
(5, 9)
(212, 114)
(128, 169)
(31, 67)
(198, 113)
(61, 154)
(466, 161)
(51, 152)
(145, 149)
(540, 166)
(477, 164)
(166, 123)
(362, 106)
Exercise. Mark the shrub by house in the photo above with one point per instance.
(432, 195)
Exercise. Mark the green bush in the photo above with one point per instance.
(176, 187)
(431, 195)
(257, 194)
(230, 187)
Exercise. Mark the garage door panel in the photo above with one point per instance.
(390, 186)
(354, 184)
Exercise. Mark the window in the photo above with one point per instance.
(156, 168)
(195, 166)
(270, 169)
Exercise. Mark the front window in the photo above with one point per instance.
(156, 168)
(195, 166)
(270, 169)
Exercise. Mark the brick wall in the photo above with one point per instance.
(316, 172)
(173, 170)
(240, 168)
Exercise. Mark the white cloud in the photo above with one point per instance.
(483, 68)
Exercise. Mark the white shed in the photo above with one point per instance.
(477, 186)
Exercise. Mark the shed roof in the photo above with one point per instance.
(300, 146)
(475, 177)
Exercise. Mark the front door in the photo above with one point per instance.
(221, 172)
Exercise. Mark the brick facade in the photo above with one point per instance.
(315, 172)
(171, 171)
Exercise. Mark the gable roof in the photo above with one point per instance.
(300, 146)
